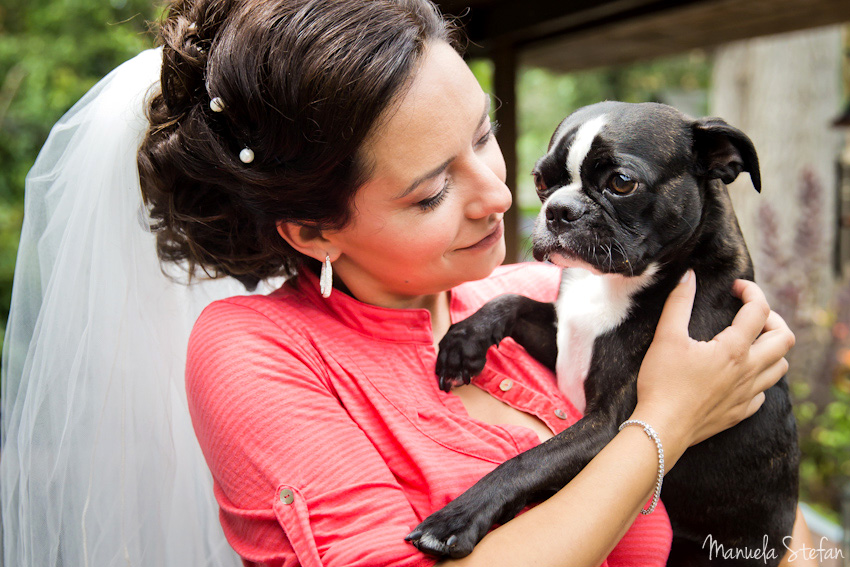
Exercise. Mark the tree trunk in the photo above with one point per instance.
(784, 91)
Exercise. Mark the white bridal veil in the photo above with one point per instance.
(99, 465)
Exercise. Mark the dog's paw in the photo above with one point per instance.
(455, 529)
(450, 532)
(463, 354)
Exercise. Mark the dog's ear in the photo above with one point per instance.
(722, 151)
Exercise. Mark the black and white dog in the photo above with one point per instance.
(633, 196)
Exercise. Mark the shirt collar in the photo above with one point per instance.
(385, 323)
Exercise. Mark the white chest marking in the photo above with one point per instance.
(588, 306)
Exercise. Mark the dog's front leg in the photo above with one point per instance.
(463, 350)
(529, 477)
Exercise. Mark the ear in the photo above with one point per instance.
(307, 240)
(722, 151)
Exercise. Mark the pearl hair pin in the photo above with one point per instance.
(217, 105)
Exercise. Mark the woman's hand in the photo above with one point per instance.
(690, 390)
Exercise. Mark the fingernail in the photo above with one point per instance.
(686, 278)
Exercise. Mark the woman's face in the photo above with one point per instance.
(430, 217)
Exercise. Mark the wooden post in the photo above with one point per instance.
(504, 87)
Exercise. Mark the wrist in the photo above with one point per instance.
(672, 432)
(659, 479)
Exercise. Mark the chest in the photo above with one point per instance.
(589, 306)
(483, 406)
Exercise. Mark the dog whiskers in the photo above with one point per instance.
(622, 251)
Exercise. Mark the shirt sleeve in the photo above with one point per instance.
(297, 481)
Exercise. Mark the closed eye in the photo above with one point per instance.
(432, 203)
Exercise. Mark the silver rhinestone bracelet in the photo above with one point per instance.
(654, 436)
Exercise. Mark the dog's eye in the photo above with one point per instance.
(538, 181)
(622, 184)
(540, 184)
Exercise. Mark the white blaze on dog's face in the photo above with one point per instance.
(619, 188)
(582, 142)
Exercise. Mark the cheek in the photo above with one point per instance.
(412, 236)
(682, 211)
(433, 233)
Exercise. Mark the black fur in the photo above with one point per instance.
(740, 485)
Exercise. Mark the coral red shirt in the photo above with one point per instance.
(329, 439)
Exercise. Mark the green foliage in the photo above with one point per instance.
(483, 71)
(51, 53)
(825, 467)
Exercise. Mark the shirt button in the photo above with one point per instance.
(561, 414)
(286, 496)
(506, 384)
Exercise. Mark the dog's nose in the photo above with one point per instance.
(563, 210)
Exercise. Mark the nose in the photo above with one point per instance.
(562, 210)
(489, 195)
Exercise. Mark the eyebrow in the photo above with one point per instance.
(442, 167)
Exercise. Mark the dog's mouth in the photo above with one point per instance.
(567, 259)
(592, 250)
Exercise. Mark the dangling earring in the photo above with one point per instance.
(326, 278)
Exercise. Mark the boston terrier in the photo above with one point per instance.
(633, 196)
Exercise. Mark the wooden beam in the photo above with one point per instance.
(504, 89)
(580, 34)
(698, 25)
(488, 23)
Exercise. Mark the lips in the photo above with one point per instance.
(488, 240)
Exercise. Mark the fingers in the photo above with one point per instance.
(677, 309)
(751, 319)
(773, 345)
(755, 404)
(748, 291)
(770, 376)
(775, 322)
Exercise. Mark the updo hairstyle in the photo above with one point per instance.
(303, 83)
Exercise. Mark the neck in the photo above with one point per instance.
(717, 248)
(437, 304)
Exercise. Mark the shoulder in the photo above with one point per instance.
(251, 330)
(242, 348)
(536, 280)
(281, 309)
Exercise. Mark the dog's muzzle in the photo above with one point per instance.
(562, 210)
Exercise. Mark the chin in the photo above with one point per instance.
(566, 261)
(482, 267)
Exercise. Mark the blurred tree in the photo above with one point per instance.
(51, 53)
(784, 91)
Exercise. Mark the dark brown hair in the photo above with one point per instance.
(304, 82)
